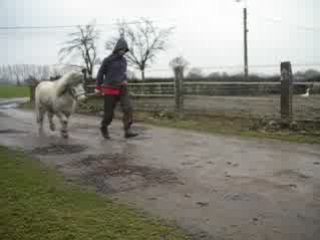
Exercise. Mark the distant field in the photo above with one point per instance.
(238, 106)
(264, 107)
(13, 91)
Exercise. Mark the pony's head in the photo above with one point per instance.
(76, 86)
(78, 92)
(72, 83)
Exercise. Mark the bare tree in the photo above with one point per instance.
(178, 65)
(15, 72)
(195, 73)
(43, 72)
(179, 62)
(38, 72)
(4, 76)
(7, 73)
(82, 43)
(131, 74)
(55, 73)
(145, 42)
(18, 73)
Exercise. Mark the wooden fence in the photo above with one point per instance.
(179, 89)
(167, 89)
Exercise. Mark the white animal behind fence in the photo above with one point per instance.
(59, 98)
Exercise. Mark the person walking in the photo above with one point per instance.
(113, 84)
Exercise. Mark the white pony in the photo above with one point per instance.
(59, 98)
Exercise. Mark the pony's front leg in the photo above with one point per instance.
(64, 124)
(52, 125)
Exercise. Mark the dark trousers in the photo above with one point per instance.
(110, 103)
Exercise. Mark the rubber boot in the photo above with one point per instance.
(129, 134)
(105, 132)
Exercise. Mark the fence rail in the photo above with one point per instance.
(92, 86)
(166, 89)
(296, 100)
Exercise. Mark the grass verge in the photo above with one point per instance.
(26, 106)
(13, 91)
(35, 203)
(229, 126)
(245, 127)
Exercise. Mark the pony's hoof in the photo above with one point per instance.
(41, 134)
(64, 135)
(52, 127)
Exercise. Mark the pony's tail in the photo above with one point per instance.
(37, 103)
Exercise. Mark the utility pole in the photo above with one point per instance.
(245, 38)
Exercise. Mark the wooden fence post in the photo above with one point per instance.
(32, 83)
(179, 101)
(286, 92)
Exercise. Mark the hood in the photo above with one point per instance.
(121, 44)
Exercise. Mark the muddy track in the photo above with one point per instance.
(214, 187)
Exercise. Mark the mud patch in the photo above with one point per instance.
(11, 131)
(83, 126)
(241, 196)
(292, 174)
(114, 173)
(200, 235)
(139, 129)
(59, 149)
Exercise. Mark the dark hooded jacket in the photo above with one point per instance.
(113, 68)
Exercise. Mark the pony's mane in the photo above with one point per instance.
(69, 79)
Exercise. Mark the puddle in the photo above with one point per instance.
(10, 131)
(59, 149)
(114, 173)
(8, 105)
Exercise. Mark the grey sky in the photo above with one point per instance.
(208, 32)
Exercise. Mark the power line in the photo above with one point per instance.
(52, 27)
(275, 20)
(34, 32)
(67, 26)
(39, 27)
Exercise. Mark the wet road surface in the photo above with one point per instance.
(213, 186)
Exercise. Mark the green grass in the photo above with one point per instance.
(226, 125)
(36, 203)
(13, 91)
(27, 106)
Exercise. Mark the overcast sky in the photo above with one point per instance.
(208, 33)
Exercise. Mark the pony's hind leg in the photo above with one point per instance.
(51, 123)
(40, 117)
(64, 124)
